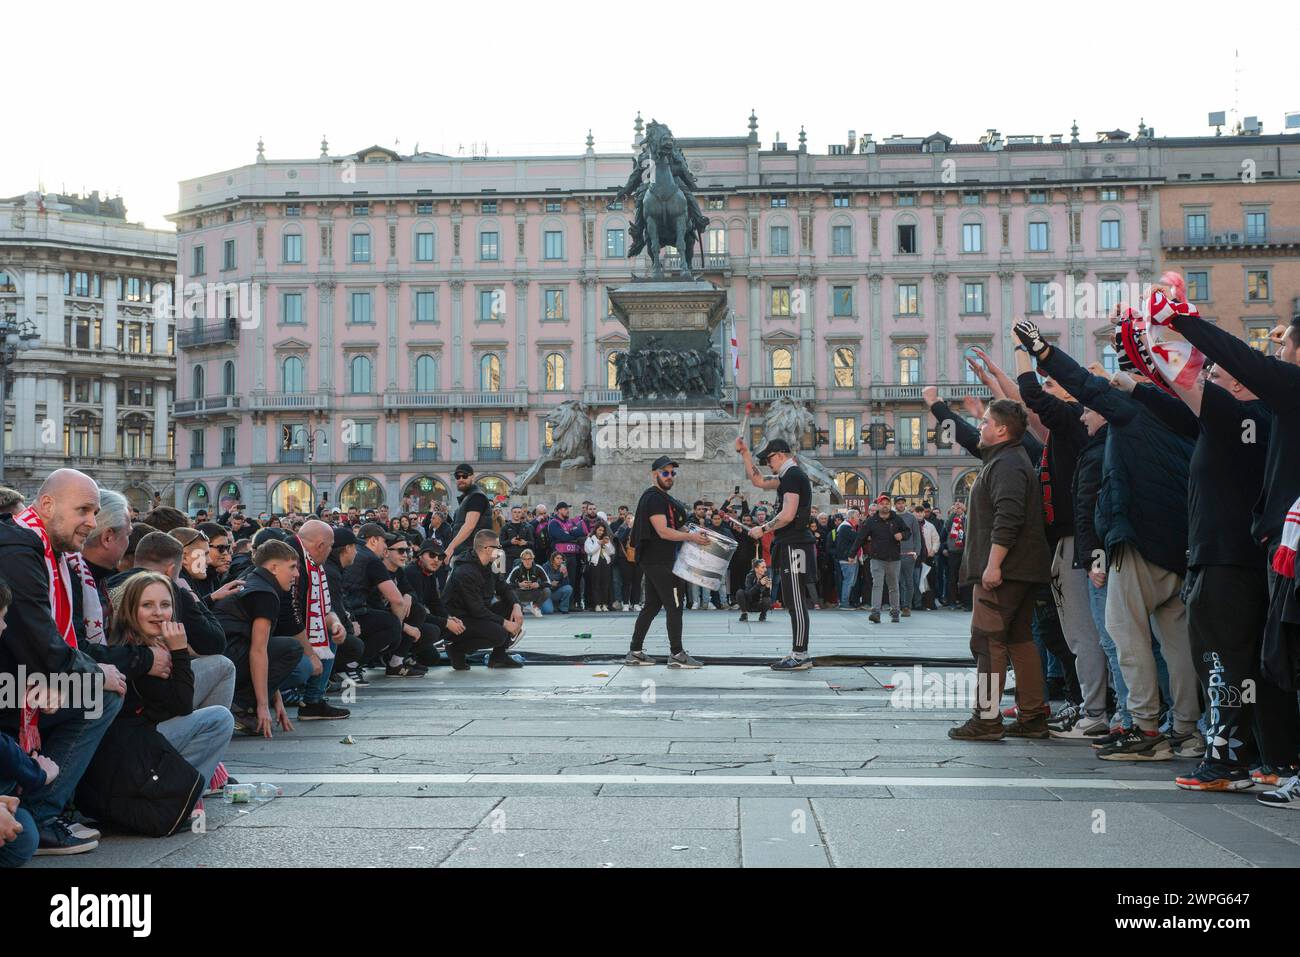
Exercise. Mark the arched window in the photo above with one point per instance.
(198, 382)
(851, 483)
(554, 372)
(196, 498)
(228, 378)
(909, 366)
(782, 367)
(844, 367)
(961, 488)
(611, 370)
(426, 373)
(227, 496)
(489, 373)
(911, 485)
(361, 493)
(360, 375)
(426, 490)
(292, 373)
(494, 485)
(291, 495)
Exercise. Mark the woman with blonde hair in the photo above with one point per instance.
(143, 615)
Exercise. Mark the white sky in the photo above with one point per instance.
(131, 102)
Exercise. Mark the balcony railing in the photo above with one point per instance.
(912, 393)
(490, 455)
(227, 457)
(196, 460)
(293, 456)
(361, 453)
(1229, 238)
(599, 397)
(210, 335)
(287, 401)
(505, 399)
(425, 454)
(770, 393)
(713, 262)
(208, 405)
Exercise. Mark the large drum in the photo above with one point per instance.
(705, 565)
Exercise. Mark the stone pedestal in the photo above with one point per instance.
(675, 316)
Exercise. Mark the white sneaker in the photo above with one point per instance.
(537, 612)
(1287, 796)
(1085, 729)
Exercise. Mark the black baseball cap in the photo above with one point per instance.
(343, 536)
(432, 547)
(663, 462)
(463, 469)
(560, 505)
(772, 446)
(371, 530)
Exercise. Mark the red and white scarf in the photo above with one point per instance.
(1284, 559)
(318, 606)
(60, 595)
(92, 609)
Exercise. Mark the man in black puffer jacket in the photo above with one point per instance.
(1142, 523)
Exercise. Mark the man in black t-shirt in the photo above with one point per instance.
(473, 514)
(793, 554)
(657, 530)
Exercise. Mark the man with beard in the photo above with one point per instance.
(323, 629)
(480, 598)
(473, 514)
(657, 529)
(419, 579)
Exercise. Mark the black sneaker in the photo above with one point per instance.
(503, 661)
(874, 618)
(57, 840)
(762, 616)
(321, 711)
(457, 658)
(978, 729)
(1287, 797)
(1210, 776)
(405, 670)
(1107, 740)
(744, 616)
(1137, 745)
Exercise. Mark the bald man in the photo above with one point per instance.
(41, 639)
(323, 629)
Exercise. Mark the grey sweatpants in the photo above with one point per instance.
(880, 573)
(1070, 589)
(1140, 597)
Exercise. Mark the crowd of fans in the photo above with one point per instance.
(1158, 510)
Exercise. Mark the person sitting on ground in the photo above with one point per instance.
(220, 553)
(146, 618)
(757, 593)
(263, 660)
(531, 583)
(486, 604)
(557, 572)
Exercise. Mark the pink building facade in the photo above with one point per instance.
(379, 318)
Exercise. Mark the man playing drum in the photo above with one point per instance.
(657, 530)
(792, 543)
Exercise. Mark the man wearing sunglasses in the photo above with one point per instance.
(792, 541)
(220, 551)
(657, 530)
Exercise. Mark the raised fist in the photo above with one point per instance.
(1029, 336)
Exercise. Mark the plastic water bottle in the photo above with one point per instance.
(266, 791)
(237, 793)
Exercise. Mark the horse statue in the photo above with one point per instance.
(570, 442)
(667, 211)
(787, 419)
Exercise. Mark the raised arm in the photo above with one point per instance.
(964, 434)
(1092, 390)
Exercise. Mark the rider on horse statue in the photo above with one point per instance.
(642, 178)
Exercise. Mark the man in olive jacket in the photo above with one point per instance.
(1006, 560)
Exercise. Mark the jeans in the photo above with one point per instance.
(848, 575)
(880, 573)
(1097, 605)
(201, 736)
(906, 582)
(214, 681)
(314, 685)
(68, 738)
(558, 599)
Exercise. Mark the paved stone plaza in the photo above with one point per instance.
(592, 764)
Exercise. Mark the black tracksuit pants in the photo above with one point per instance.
(663, 590)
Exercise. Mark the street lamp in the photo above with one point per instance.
(308, 438)
(14, 338)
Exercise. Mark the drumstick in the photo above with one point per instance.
(744, 423)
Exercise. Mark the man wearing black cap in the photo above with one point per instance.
(419, 579)
(792, 542)
(473, 514)
(656, 531)
(372, 598)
